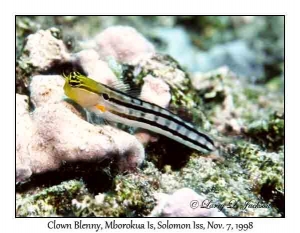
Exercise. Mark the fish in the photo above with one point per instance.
(118, 105)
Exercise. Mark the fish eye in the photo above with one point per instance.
(74, 81)
(105, 96)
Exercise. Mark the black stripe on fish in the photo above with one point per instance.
(171, 117)
(165, 128)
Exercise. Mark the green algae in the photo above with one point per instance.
(52, 201)
(221, 183)
(265, 171)
(131, 196)
(268, 133)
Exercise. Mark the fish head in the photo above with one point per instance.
(81, 89)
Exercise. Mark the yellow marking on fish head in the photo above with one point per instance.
(81, 89)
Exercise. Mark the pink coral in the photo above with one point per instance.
(55, 132)
(43, 49)
(156, 91)
(124, 44)
(184, 202)
(94, 67)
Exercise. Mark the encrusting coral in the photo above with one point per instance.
(57, 130)
(114, 41)
(43, 48)
(98, 69)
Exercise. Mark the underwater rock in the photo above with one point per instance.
(55, 201)
(164, 67)
(94, 67)
(124, 44)
(131, 195)
(55, 132)
(24, 127)
(156, 91)
(184, 202)
(268, 132)
(218, 87)
(222, 183)
(44, 49)
(237, 107)
(266, 172)
(46, 90)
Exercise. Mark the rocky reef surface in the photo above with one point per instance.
(69, 163)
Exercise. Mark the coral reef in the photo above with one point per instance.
(50, 202)
(222, 183)
(268, 132)
(117, 171)
(57, 133)
(265, 171)
(233, 104)
(43, 48)
(131, 196)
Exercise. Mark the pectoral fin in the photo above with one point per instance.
(101, 108)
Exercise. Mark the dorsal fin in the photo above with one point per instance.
(119, 85)
(126, 88)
